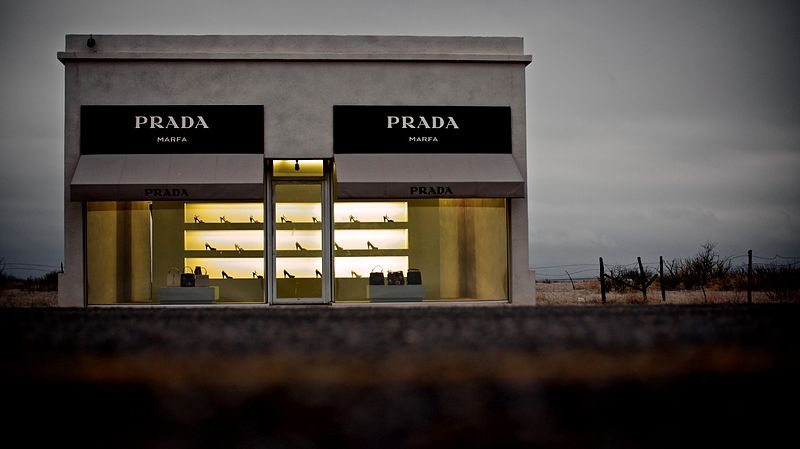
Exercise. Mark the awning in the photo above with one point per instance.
(428, 175)
(179, 177)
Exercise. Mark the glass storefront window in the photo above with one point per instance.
(134, 250)
(298, 240)
(458, 247)
(118, 252)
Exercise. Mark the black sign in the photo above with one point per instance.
(421, 129)
(172, 129)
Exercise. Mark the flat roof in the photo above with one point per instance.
(295, 47)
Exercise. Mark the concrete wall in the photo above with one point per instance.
(298, 79)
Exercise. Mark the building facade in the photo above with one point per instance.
(294, 170)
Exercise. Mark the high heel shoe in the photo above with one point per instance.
(237, 247)
(338, 248)
(222, 219)
(210, 248)
(353, 219)
(284, 220)
(371, 246)
(317, 273)
(225, 275)
(286, 274)
(198, 220)
(253, 220)
(387, 219)
(298, 247)
(256, 275)
(354, 274)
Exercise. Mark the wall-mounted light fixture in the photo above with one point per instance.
(91, 42)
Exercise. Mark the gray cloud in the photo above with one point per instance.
(652, 126)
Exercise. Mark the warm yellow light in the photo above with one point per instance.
(288, 240)
(379, 238)
(362, 266)
(233, 212)
(375, 212)
(299, 267)
(224, 240)
(298, 212)
(238, 268)
(307, 167)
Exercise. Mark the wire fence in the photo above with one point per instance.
(19, 266)
(777, 277)
(589, 271)
(28, 276)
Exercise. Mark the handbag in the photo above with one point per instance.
(414, 276)
(376, 277)
(173, 277)
(187, 279)
(396, 278)
(201, 277)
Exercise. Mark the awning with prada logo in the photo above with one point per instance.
(371, 176)
(159, 177)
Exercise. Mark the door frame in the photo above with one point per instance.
(327, 236)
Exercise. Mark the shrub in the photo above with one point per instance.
(621, 278)
(778, 282)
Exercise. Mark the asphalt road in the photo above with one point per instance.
(401, 377)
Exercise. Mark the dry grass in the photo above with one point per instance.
(547, 294)
(588, 292)
(22, 298)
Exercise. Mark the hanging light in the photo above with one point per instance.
(296, 165)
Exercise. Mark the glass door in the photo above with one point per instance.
(301, 252)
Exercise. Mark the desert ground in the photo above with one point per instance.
(552, 376)
(588, 292)
(22, 298)
(584, 292)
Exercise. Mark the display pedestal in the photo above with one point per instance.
(351, 289)
(395, 293)
(188, 295)
(299, 288)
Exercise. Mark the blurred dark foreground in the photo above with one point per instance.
(401, 377)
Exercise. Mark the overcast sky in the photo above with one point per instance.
(654, 126)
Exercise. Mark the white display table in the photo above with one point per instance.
(188, 295)
(395, 293)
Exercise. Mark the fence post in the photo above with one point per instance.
(661, 278)
(749, 276)
(642, 279)
(570, 279)
(602, 282)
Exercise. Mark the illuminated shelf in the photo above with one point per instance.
(371, 225)
(238, 264)
(372, 228)
(228, 240)
(294, 253)
(370, 252)
(224, 226)
(224, 253)
(370, 212)
(240, 268)
(212, 213)
(303, 226)
(390, 237)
